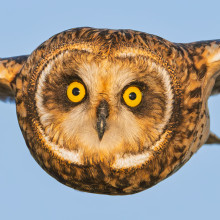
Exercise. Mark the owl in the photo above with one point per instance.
(113, 111)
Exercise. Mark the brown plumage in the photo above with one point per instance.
(106, 141)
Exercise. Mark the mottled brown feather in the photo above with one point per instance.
(9, 68)
(193, 71)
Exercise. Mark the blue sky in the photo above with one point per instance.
(27, 192)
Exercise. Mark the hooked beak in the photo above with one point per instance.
(102, 114)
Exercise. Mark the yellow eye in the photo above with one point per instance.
(76, 92)
(132, 96)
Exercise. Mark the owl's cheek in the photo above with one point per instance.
(85, 139)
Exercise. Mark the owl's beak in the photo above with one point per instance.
(102, 114)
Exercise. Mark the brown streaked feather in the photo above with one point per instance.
(140, 147)
(9, 68)
(206, 58)
(213, 139)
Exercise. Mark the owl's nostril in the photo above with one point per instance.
(102, 114)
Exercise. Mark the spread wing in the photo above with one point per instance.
(206, 57)
(213, 139)
(9, 68)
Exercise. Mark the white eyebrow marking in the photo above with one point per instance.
(126, 54)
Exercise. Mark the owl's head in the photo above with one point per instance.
(102, 110)
(93, 104)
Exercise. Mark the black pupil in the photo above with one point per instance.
(132, 96)
(76, 91)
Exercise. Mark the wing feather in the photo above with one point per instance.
(9, 68)
(213, 139)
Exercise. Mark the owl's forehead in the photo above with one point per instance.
(107, 55)
(106, 73)
(116, 70)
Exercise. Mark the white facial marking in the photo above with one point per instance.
(72, 156)
(85, 130)
(139, 159)
(130, 160)
(169, 94)
(45, 118)
(127, 54)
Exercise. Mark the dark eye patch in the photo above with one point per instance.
(150, 102)
(55, 91)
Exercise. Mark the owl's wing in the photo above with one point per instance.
(206, 63)
(9, 68)
(213, 139)
(206, 57)
(216, 88)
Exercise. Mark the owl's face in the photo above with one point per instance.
(110, 111)
(93, 109)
